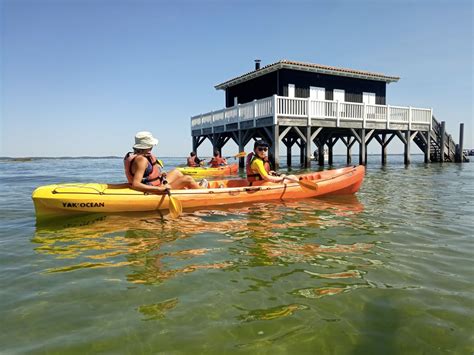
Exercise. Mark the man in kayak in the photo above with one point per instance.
(193, 161)
(144, 172)
(258, 165)
(217, 160)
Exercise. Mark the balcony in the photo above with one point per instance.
(287, 111)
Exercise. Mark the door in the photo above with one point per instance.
(368, 98)
(316, 93)
(317, 109)
(291, 90)
(339, 95)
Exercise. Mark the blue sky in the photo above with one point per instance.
(81, 77)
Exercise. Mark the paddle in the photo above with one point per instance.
(238, 155)
(175, 206)
(305, 184)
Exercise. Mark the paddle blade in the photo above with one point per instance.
(175, 206)
(240, 155)
(309, 185)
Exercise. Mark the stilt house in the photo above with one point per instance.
(304, 104)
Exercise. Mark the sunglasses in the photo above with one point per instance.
(262, 149)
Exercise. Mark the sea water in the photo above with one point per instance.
(388, 270)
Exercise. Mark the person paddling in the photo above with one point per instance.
(217, 160)
(193, 161)
(145, 172)
(258, 165)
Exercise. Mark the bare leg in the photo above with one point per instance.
(177, 180)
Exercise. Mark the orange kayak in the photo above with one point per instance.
(230, 169)
(67, 199)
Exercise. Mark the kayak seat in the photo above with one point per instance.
(216, 184)
(311, 177)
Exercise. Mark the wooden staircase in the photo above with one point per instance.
(451, 151)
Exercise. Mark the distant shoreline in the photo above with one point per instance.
(163, 157)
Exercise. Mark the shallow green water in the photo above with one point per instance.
(386, 271)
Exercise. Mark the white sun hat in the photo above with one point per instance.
(144, 140)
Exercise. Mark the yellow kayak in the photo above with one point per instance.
(204, 171)
(67, 199)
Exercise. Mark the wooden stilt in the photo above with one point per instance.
(241, 144)
(362, 147)
(331, 143)
(443, 140)
(384, 148)
(330, 154)
(195, 141)
(275, 148)
(407, 147)
(287, 141)
(307, 163)
(302, 152)
(213, 142)
(321, 154)
(302, 145)
(460, 158)
(428, 147)
(288, 154)
(350, 143)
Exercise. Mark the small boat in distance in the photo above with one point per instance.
(230, 169)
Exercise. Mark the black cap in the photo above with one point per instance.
(260, 143)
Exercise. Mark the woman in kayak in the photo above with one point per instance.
(258, 165)
(144, 172)
(217, 160)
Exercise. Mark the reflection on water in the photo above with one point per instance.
(157, 310)
(272, 313)
(276, 229)
(328, 290)
(156, 249)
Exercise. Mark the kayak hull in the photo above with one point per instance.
(231, 169)
(68, 199)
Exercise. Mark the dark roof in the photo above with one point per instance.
(310, 67)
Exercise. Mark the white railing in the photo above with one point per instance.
(264, 108)
(352, 111)
(322, 109)
(292, 107)
(419, 115)
(399, 114)
(287, 107)
(249, 111)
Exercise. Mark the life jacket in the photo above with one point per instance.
(152, 176)
(252, 175)
(192, 161)
(217, 161)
